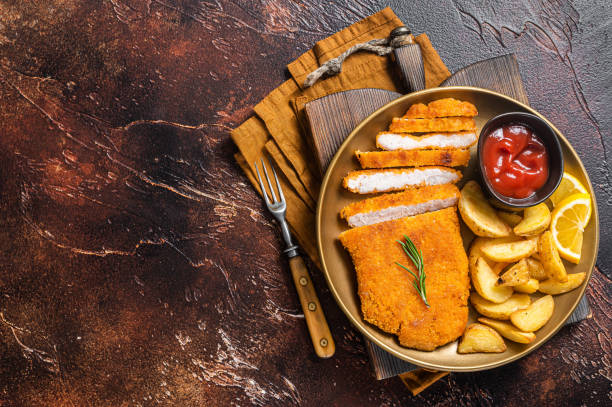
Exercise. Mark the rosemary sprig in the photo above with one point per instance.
(416, 256)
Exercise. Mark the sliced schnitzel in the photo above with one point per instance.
(391, 141)
(395, 179)
(413, 158)
(403, 125)
(400, 204)
(388, 298)
(447, 107)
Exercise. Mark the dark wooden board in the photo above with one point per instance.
(500, 74)
(332, 118)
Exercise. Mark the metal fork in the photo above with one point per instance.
(315, 319)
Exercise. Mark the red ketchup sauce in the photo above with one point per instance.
(515, 161)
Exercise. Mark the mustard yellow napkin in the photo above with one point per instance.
(277, 131)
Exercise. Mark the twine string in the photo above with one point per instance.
(381, 46)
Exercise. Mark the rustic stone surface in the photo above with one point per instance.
(138, 267)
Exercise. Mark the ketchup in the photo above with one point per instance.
(515, 161)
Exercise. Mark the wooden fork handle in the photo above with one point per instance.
(315, 319)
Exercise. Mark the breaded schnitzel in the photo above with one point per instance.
(395, 179)
(402, 125)
(447, 107)
(388, 298)
(391, 141)
(413, 158)
(400, 204)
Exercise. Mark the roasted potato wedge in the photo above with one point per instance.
(515, 275)
(484, 281)
(536, 220)
(509, 331)
(478, 215)
(529, 287)
(499, 311)
(536, 270)
(509, 250)
(499, 267)
(549, 256)
(535, 316)
(511, 218)
(475, 252)
(554, 287)
(481, 338)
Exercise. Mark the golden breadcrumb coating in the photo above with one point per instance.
(403, 125)
(408, 197)
(388, 298)
(447, 107)
(413, 158)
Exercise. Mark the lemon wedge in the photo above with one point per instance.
(569, 218)
(569, 185)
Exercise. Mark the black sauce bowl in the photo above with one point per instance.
(553, 148)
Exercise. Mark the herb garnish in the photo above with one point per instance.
(417, 259)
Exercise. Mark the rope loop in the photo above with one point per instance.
(381, 46)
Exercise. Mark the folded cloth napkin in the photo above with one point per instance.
(277, 129)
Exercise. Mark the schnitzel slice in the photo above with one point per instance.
(388, 298)
(402, 125)
(395, 179)
(401, 204)
(391, 141)
(447, 107)
(413, 158)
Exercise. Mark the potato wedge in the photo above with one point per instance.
(484, 281)
(536, 220)
(509, 331)
(475, 252)
(481, 338)
(509, 251)
(535, 316)
(536, 270)
(549, 256)
(529, 287)
(554, 287)
(515, 275)
(499, 267)
(499, 311)
(511, 218)
(478, 215)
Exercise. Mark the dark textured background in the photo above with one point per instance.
(138, 267)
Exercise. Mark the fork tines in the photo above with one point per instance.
(274, 201)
